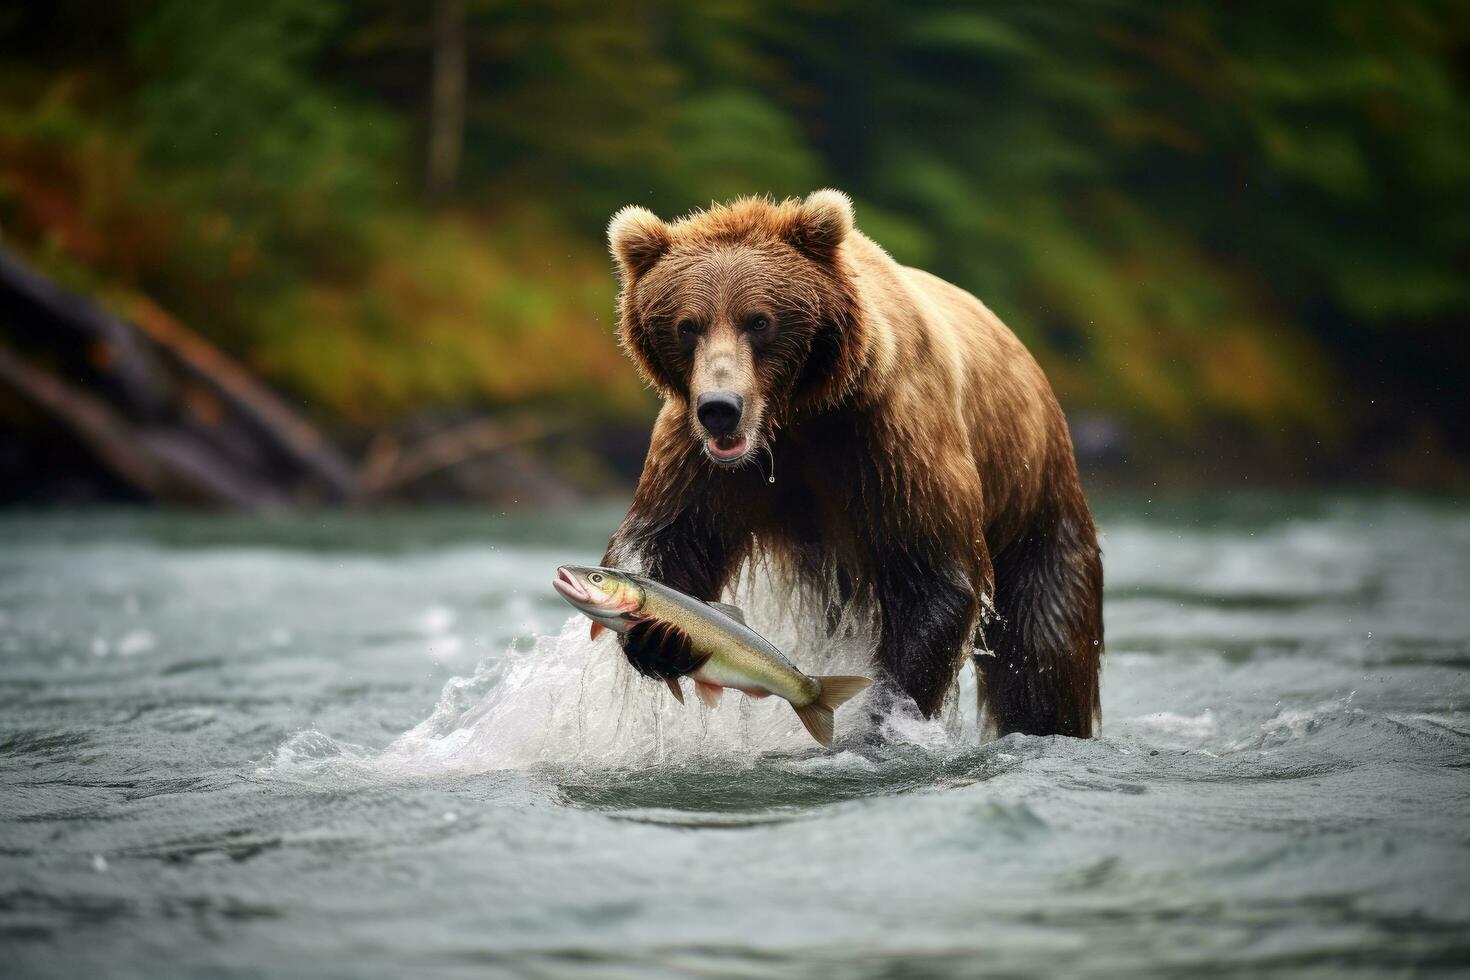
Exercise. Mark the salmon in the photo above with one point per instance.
(676, 635)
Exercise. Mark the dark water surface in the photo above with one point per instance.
(227, 748)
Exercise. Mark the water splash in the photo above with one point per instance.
(572, 703)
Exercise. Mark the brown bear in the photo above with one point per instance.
(924, 464)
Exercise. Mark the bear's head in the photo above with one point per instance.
(744, 315)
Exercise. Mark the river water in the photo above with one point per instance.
(379, 746)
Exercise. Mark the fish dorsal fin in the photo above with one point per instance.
(734, 612)
(675, 689)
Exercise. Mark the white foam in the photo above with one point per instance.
(443, 647)
(130, 644)
(1292, 723)
(136, 642)
(1201, 725)
(310, 751)
(436, 620)
(569, 702)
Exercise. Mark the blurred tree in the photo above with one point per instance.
(1196, 214)
(274, 174)
(446, 104)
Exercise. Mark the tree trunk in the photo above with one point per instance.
(446, 99)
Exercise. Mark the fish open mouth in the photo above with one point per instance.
(727, 449)
(572, 590)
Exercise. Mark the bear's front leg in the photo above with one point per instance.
(689, 552)
(928, 609)
(688, 555)
(681, 530)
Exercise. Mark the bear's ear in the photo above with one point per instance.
(822, 221)
(638, 239)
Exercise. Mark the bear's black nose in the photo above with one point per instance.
(719, 412)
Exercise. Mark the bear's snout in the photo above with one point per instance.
(719, 412)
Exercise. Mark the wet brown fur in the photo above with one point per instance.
(918, 448)
(664, 650)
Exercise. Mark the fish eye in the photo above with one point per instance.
(596, 578)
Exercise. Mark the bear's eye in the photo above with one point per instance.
(688, 334)
(759, 323)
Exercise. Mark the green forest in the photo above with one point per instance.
(1215, 224)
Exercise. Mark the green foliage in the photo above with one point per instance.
(279, 174)
(1191, 211)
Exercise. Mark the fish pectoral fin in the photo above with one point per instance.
(752, 692)
(675, 689)
(734, 612)
(708, 693)
(596, 630)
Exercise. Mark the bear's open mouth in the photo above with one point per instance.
(727, 449)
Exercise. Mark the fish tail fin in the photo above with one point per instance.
(817, 717)
(838, 689)
(835, 691)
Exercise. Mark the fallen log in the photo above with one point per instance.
(163, 465)
(389, 467)
(177, 419)
(288, 432)
(169, 385)
(35, 309)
